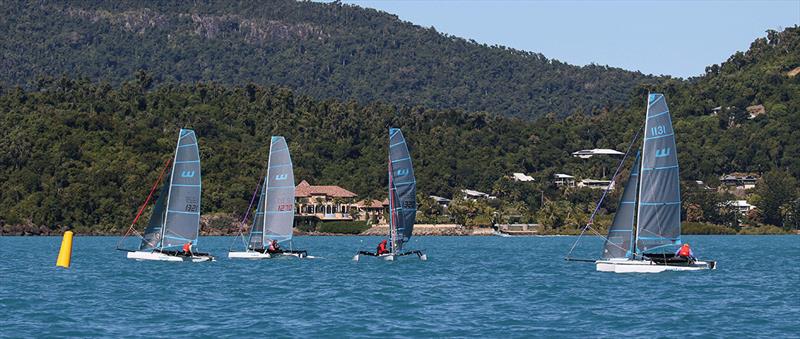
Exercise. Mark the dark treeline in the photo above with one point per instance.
(317, 49)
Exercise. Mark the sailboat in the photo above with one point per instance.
(274, 216)
(402, 200)
(646, 229)
(175, 220)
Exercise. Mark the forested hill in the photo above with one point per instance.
(317, 49)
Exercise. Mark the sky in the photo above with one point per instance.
(678, 38)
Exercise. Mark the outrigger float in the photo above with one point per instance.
(646, 229)
(402, 201)
(274, 216)
(175, 220)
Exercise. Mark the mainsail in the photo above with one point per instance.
(620, 236)
(279, 201)
(402, 191)
(182, 217)
(659, 211)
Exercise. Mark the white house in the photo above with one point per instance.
(475, 195)
(588, 153)
(561, 179)
(596, 184)
(741, 206)
(444, 202)
(521, 177)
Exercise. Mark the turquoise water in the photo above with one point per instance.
(471, 286)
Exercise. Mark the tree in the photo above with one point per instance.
(776, 189)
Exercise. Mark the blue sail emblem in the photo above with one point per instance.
(401, 172)
(664, 152)
(187, 174)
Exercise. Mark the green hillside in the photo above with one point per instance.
(321, 50)
(84, 153)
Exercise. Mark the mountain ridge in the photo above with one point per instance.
(323, 50)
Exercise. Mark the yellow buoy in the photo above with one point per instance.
(65, 254)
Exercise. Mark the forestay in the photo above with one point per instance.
(279, 202)
(658, 217)
(256, 241)
(182, 217)
(402, 190)
(619, 242)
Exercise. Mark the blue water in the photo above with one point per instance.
(471, 286)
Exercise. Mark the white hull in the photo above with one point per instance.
(647, 266)
(253, 255)
(248, 255)
(389, 257)
(158, 256)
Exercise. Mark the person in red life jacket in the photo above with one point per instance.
(382, 248)
(685, 252)
(187, 249)
(274, 247)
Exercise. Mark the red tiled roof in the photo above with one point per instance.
(370, 204)
(305, 190)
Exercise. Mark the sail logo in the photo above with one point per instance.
(401, 172)
(664, 152)
(281, 177)
(187, 174)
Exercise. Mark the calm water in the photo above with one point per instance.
(471, 286)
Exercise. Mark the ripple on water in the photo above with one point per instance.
(471, 286)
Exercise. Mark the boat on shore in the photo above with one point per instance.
(174, 224)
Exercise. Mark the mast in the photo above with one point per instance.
(635, 235)
(639, 181)
(264, 208)
(392, 222)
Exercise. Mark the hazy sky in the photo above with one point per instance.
(678, 38)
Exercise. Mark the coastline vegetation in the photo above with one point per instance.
(82, 152)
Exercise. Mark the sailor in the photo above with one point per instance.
(381, 248)
(685, 252)
(274, 247)
(187, 248)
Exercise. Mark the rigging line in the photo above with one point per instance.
(144, 205)
(244, 219)
(605, 191)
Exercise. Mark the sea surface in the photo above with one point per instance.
(469, 287)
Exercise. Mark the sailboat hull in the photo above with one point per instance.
(254, 255)
(158, 256)
(391, 256)
(648, 266)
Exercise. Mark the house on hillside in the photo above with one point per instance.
(588, 153)
(521, 177)
(372, 210)
(596, 184)
(324, 203)
(739, 180)
(741, 206)
(475, 195)
(563, 180)
(755, 111)
(444, 202)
